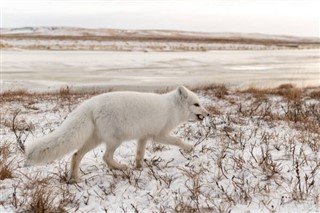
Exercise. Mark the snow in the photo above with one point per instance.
(245, 160)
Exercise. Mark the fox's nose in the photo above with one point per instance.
(208, 114)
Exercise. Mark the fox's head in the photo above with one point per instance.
(191, 104)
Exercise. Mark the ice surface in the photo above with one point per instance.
(49, 70)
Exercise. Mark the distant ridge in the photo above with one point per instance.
(70, 38)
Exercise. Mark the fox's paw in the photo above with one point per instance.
(73, 180)
(123, 167)
(118, 166)
(188, 148)
(139, 164)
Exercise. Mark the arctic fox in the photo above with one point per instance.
(115, 117)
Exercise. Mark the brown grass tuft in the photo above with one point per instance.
(213, 110)
(14, 93)
(42, 199)
(10, 96)
(40, 196)
(287, 91)
(5, 165)
(5, 170)
(286, 86)
(64, 92)
(217, 90)
(315, 95)
(256, 93)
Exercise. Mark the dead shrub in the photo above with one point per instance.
(221, 91)
(40, 196)
(286, 86)
(218, 90)
(14, 93)
(258, 109)
(256, 93)
(10, 96)
(6, 170)
(304, 116)
(195, 190)
(288, 91)
(182, 206)
(315, 95)
(21, 130)
(64, 92)
(213, 110)
(292, 94)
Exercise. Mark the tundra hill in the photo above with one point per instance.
(70, 38)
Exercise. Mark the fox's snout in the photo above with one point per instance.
(203, 114)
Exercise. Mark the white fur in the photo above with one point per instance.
(116, 117)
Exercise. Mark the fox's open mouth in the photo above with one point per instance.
(200, 117)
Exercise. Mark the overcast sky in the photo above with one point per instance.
(294, 17)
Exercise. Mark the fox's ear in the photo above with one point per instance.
(182, 91)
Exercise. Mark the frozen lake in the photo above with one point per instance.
(44, 70)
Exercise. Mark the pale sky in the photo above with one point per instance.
(284, 17)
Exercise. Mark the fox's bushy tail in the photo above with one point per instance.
(72, 134)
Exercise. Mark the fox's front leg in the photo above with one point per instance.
(171, 140)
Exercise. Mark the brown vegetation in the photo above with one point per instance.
(6, 165)
(165, 38)
(42, 195)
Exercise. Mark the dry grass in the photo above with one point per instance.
(315, 95)
(213, 110)
(295, 108)
(288, 91)
(42, 195)
(6, 165)
(34, 194)
(26, 97)
(218, 90)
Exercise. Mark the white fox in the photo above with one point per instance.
(115, 117)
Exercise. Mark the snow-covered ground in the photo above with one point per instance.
(259, 152)
(49, 70)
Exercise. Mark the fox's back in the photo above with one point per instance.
(130, 114)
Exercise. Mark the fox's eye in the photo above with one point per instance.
(197, 105)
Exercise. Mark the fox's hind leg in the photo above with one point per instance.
(108, 156)
(141, 147)
(77, 157)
